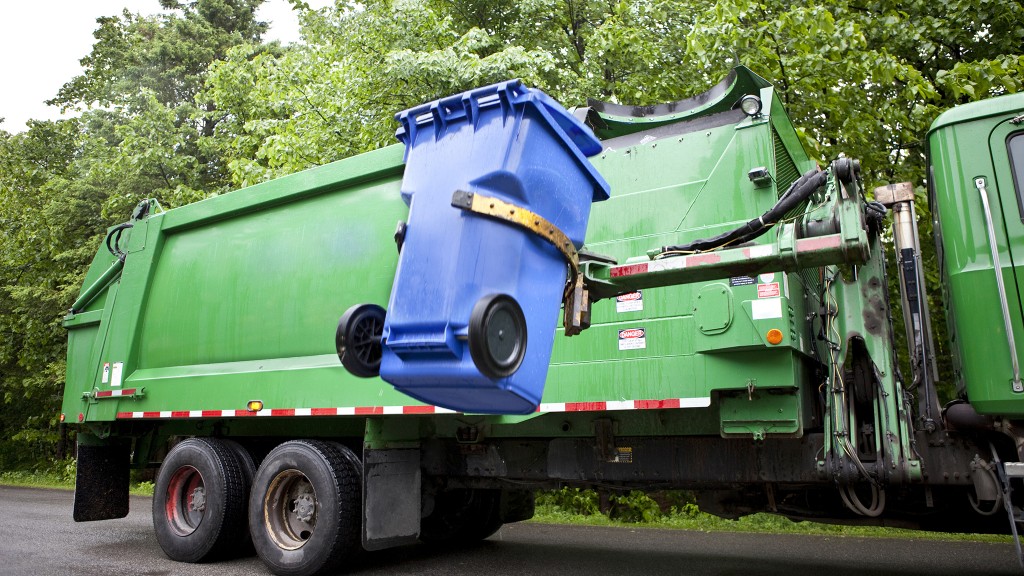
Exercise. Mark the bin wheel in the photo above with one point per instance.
(358, 339)
(497, 336)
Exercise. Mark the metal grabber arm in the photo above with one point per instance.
(832, 231)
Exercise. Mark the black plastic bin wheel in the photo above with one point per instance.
(358, 339)
(497, 336)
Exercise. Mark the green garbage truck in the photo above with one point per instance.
(721, 323)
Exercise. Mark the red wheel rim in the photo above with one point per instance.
(185, 503)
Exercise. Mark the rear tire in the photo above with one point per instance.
(248, 467)
(199, 502)
(305, 513)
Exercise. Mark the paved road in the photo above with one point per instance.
(38, 537)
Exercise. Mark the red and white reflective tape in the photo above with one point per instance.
(679, 262)
(386, 410)
(116, 393)
(625, 405)
(344, 411)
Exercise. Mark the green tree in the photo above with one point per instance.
(141, 134)
(38, 274)
(362, 62)
(147, 71)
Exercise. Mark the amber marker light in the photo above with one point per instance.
(774, 336)
(254, 405)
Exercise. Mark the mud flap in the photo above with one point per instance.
(101, 483)
(517, 505)
(391, 498)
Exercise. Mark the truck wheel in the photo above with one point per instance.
(248, 468)
(246, 462)
(305, 513)
(199, 502)
(462, 517)
(357, 339)
(497, 336)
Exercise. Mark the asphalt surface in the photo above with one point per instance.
(38, 537)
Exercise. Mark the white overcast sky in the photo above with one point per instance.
(41, 42)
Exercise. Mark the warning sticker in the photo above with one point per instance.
(115, 378)
(632, 339)
(765, 309)
(623, 455)
(741, 281)
(770, 290)
(106, 372)
(632, 302)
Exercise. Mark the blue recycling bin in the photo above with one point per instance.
(475, 303)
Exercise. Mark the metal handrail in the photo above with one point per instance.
(980, 184)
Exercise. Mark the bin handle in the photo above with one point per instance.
(576, 297)
(441, 112)
(468, 104)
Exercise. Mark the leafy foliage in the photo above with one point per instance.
(141, 134)
(570, 500)
(190, 103)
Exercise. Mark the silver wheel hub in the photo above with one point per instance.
(198, 503)
(304, 507)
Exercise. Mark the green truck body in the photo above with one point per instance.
(760, 373)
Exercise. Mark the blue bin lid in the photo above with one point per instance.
(508, 94)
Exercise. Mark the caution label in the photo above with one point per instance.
(632, 302)
(623, 455)
(115, 375)
(770, 290)
(632, 339)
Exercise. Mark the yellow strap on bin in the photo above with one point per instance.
(576, 297)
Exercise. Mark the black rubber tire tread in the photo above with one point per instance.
(348, 329)
(335, 473)
(222, 532)
(245, 459)
(248, 467)
(462, 516)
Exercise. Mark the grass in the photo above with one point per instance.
(60, 476)
(36, 479)
(755, 523)
(689, 517)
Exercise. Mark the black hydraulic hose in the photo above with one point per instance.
(797, 192)
(115, 235)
